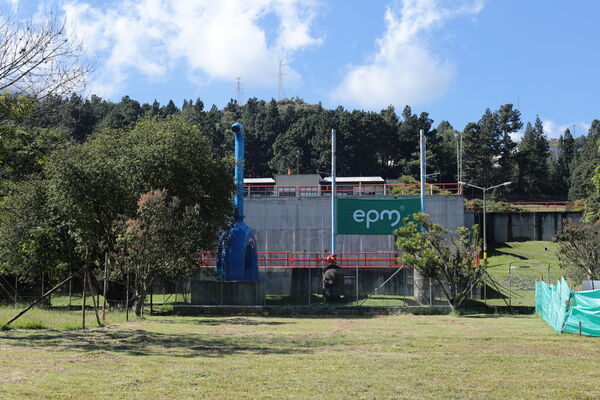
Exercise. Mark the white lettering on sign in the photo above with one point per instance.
(372, 216)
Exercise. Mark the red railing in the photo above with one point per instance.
(303, 259)
(402, 189)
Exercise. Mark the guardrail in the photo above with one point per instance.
(367, 190)
(303, 259)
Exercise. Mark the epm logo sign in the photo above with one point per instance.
(373, 216)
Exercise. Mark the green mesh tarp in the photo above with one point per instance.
(566, 310)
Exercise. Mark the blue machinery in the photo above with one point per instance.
(238, 259)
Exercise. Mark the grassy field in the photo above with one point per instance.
(527, 263)
(394, 357)
(38, 318)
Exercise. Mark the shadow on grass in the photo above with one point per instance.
(499, 252)
(242, 321)
(143, 343)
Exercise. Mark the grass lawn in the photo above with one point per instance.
(528, 262)
(395, 357)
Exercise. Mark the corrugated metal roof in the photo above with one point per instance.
(259, 181)
(356, 179)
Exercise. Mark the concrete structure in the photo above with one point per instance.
(508, 227)
(304, 224)
(237, 293)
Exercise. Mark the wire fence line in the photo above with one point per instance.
(366, 283)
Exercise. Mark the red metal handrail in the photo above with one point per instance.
(307, 259)
(354, 189)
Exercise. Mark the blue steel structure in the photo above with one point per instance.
(238, 258)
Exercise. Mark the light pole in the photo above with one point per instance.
(484, 210)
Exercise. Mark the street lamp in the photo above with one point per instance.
(484, 210)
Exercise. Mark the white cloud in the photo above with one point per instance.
(404, 69)
(212, 38)
(554, 130)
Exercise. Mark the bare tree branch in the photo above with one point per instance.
(40, 59)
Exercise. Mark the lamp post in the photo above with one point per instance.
(484, 190)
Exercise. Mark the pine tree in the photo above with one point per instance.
(562, 167)
(533, 160)
(584, 165)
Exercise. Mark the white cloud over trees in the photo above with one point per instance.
(212, 39)
(404, 69)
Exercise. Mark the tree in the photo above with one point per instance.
(592, 203)
(38, 59)
(448, 257)
(96, 185)
(585, 164)
(32, 241)
(446, 153)
(562, 170)
(488, 148)
(533, 160)
(579, 251)
(509, 120)
(162, 241)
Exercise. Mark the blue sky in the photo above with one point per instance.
(452, 59)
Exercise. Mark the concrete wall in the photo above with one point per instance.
(508, 227)
(301, 281)
(303, 224)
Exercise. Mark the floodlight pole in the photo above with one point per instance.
(422, 168)
(333, 196)
(484, 190)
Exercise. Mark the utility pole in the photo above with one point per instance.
(422, 168)
(333, 196)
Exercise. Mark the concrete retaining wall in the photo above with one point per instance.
(508, 227)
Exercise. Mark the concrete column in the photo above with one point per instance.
(421, 288)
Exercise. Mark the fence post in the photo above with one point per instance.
(309, 282)
(430, 294)
(509, 285)
(485, 293)
(266, 280)
(356, 279)
(83, 302)
(405, 284)
(127, 298)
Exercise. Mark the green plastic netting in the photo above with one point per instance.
(566, 310)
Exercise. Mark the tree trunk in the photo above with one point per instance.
(91, 287)
(83, 299)
(141, 300)
(105, 287)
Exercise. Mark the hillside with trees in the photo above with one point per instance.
(291, 134)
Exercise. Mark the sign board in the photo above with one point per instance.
(373, 216)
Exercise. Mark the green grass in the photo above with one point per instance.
(535, 256)
(391, 357)
(38, 318)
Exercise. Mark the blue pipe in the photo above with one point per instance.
(238, 130)
(238, 257)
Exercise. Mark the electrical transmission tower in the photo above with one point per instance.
(280, 78)
(238, 90)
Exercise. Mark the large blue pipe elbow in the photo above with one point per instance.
(238, 258)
